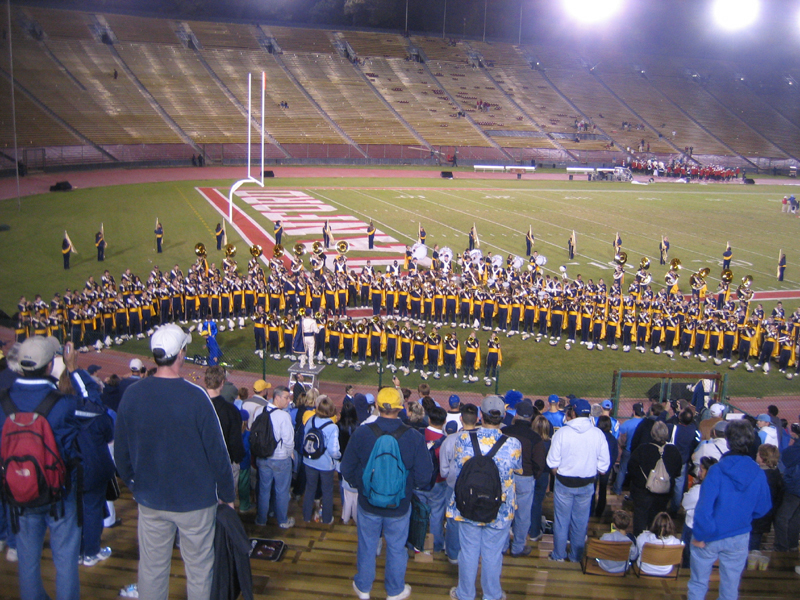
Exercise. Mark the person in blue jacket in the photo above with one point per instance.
(787, 516)
(734, 492)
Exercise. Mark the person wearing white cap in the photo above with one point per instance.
(171, 453)
(137, 370)
(28, 394)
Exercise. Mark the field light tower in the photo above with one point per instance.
(735, 15)
(592, 11)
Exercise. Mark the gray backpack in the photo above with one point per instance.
(658, 481)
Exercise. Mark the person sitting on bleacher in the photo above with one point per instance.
(662, 532)
(621, 521)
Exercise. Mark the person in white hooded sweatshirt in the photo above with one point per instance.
(578, 452)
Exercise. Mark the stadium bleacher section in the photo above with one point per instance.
(102, 81)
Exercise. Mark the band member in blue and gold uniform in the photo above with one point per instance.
(494, 359)
(219, 233)
(423, 235)
(100, 244)
(159, 231)
(66, 250)
(371, 235)
(277, 232)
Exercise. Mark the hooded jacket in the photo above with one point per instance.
(579, 451)
(734, 492)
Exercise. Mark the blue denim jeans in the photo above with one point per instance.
(6, 532)
(539, 492)
(485, 545)
(395, 532)
(437, 499)
(571, 507)
(623, 471)
(677, 491)
(323, 479)
(279, 470)
(65, 542)
(452, 544)
(732, 555)
(94, 503)
(522, 516)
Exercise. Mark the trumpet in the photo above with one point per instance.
(298, 250)
(200, 250)
(317, 247)
(621, 258)
(343, 247)
(644, 264)
(675, 264)
(230, 250)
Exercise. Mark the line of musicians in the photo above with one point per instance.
(484, 294)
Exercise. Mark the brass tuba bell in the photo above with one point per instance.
(726, 276)
(230, 250)
(298, 250)
(256, 251)
(621, 258)
(675, 264)
(278, 251)
(644, 264)
(317, 247)
(343, 247)
(200, 250)
(703, 273)
(747, 281)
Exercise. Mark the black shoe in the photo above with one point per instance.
(525, 552)
(116, 523)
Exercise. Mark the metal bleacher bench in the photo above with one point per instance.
(505, 168)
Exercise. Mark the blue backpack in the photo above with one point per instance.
(384, 478)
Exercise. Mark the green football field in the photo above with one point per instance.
(698, 220)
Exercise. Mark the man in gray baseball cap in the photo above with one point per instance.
(170, 452)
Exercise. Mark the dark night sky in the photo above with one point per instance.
(682, 27)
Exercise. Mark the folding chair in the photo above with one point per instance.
(605, 550)
(659, 555)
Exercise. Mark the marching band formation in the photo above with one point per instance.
(410, 305)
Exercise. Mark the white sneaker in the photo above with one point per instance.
(288, 524)
(90, 561)
(359, 594)
(402, 595)
(11, 555)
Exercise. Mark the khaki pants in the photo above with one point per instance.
(156, 537)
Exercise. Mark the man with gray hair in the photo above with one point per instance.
(578, 452)
(170, 451)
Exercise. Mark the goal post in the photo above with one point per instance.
(628, 387)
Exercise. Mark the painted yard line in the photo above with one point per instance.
(653, 258)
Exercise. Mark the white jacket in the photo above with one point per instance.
(579, 449)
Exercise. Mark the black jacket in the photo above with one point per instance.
(534, 453)
(644, 459)
(232, 574)
(231, 421)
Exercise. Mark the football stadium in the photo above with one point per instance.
(565, 205)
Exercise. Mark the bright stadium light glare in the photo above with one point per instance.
(592, 11)
(733, 15)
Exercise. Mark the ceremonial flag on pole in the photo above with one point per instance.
(69, 241)
(477, 241)
(574, 242)
(103, 233)
(224, 234)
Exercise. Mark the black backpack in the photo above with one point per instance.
(433, 449)
(479, 491)
(262, 436)
(314, 440)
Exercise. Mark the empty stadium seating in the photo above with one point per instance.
(168, 91)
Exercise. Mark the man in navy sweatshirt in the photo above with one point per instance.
(392, 522)
(170, 452)
(734, 492)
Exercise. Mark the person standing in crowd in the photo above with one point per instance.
(686, 437)
(27, 393)
(604, 424)
(278, 467)
(578, 452)
(167, 416)
(391, 520)
(734, 492)
(137, 370)
(787, 517)
(320, 467)
(534, 462)
(437, 497)
(230, 419)
(542, 428)
(484, 543)
(647, 504)
(626, 431)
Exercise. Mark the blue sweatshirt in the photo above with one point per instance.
(734, 492)
(169, 447)
(415, 455)
(790, 458)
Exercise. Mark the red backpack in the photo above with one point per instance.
(33, 472)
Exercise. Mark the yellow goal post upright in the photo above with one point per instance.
(715, 385)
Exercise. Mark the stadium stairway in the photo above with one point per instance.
(467, 116)
(314, 103)
(230, 95)
(525, 114)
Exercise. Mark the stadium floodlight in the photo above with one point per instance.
(733, 15)
(592, 11)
